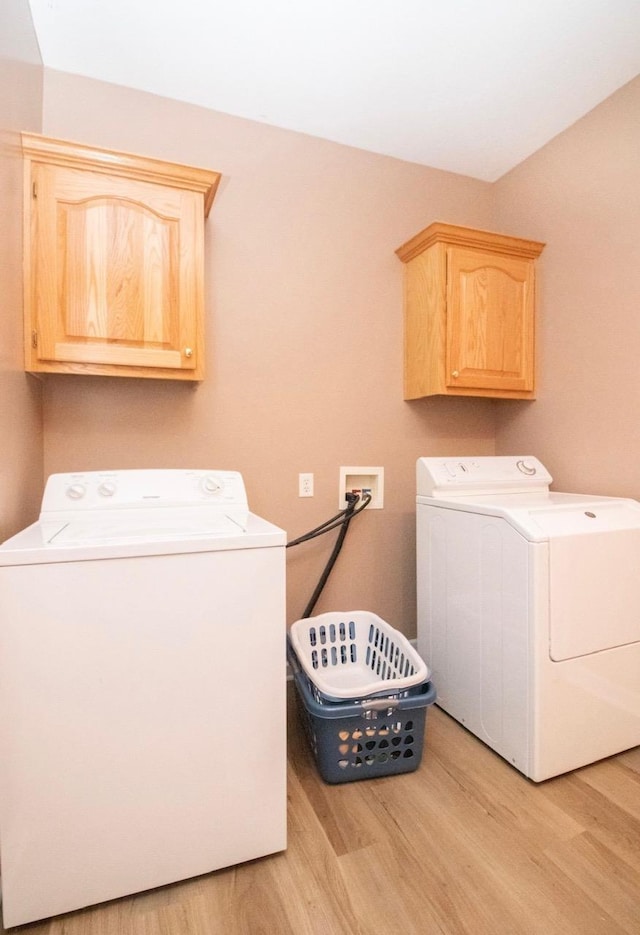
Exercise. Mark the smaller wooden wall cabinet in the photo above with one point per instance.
(113, 262)
(469, 305)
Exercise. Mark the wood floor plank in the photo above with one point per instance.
(595, 804)
(310, 883)
(518, 806)
(477, 874)
(381, 885)
(631, 759)
(602, 876)
(344, 813)
(620, 784)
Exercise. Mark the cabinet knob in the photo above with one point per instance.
(188, 352)
(456, 373)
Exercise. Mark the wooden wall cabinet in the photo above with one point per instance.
(469, 306)
(113, 262)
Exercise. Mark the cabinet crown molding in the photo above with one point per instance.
(144, 169)
(452, 234)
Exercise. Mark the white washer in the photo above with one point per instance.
(529, 611)
(142, 688)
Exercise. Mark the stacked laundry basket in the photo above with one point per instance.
(364, 694)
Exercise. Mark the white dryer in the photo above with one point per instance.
(142, 688)
(529, 610)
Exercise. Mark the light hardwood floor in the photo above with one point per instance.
(463, 846)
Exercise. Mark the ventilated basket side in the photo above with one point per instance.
(351, 742)
(390, 655)
(353, 654)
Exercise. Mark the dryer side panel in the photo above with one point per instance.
(474, 619)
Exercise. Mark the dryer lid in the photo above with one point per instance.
(588, 516)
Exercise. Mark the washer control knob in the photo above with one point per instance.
(76, 491)
(107, 488)
(210, 485)
(526, 468)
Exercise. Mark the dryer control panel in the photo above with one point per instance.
(462, 477)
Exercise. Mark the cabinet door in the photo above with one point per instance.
(115, 279)
(490, 321)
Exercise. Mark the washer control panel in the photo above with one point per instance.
(142, 489)
(446, 477)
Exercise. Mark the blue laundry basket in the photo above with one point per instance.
(363, 738)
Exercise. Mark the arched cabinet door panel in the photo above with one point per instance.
(114, 262)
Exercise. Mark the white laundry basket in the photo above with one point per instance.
(355, 654)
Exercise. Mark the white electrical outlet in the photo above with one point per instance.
(361, 479)
(305, 485)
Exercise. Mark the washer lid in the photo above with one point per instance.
(86, 539)
(150, 527)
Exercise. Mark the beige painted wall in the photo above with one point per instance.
(21, 440)
(304, 336)
(581, 194)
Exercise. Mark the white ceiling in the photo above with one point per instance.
(471, 86)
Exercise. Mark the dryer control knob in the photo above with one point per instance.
(107, 488)
(526, 467)
(210, 485)
(76, 491)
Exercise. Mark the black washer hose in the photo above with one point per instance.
(348, 516)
